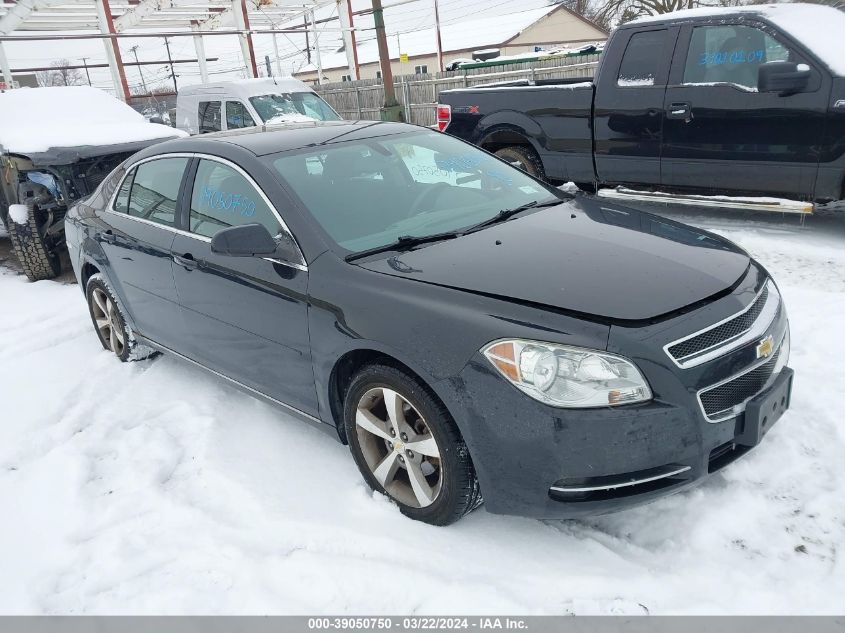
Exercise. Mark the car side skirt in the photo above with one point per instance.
(327, 428)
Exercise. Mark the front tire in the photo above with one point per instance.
(29, 242)
(407, 446)
(110, 324)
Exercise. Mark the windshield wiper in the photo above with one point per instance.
(403, 243)
(506, 214)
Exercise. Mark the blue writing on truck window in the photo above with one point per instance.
(235, 203)
(731, 57)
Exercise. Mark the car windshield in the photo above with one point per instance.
(369, 193)
(293, 106)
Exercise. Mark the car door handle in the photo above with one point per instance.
(186, 261)
(682, 111)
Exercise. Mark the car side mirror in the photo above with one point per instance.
(246, 240)
(786, 78)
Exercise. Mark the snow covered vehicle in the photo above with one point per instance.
(56, 146)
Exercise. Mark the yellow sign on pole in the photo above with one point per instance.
(403, 57)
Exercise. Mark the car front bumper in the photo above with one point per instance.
(540, 461)
(533, 460)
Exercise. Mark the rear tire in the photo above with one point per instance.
(37, 259)
(110, 324)
(415, 456)
(523, 157)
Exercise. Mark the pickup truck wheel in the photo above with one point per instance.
(407, 446)
(524, 158)
(31, 247)
(110, 324)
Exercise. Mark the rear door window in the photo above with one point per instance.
(642, 59)
(209, 116)
(151, 190)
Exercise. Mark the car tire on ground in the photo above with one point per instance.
(524, 158)
(37, 259)
(415, 454)
(110, 324)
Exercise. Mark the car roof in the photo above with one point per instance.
(270, 139)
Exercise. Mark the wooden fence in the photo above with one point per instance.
(417, 94)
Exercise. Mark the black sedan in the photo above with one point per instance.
(465, 328)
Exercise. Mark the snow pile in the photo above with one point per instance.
(817, 27)
(34, 120)
(153, 487)
(19, 213)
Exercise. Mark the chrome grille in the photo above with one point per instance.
(729, 334)
(719, 402)
(721, 333)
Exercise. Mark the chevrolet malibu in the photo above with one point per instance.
(466, 329)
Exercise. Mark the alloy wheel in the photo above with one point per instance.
(399, 448)
(107, 320)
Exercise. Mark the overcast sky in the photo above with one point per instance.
(414, 15)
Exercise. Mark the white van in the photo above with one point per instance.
(235, 104)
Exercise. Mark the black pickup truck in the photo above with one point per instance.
(703, 102)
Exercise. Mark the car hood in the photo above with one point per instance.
(581, 256)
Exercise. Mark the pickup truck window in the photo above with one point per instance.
(730, 53)
(642, 58)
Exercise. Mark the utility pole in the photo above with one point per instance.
(269, 68)
(87, 74)
(172, 68)
(439, 41)
(317, 49)
(134, 51)
(307, 43)
(391, 110)
(276, 52)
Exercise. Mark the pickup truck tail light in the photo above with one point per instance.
(444, 116)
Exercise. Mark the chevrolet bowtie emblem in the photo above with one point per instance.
(765, 347)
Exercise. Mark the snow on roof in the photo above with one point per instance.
(469, 34)
(35, 120)
(818, 27)
(248, 87)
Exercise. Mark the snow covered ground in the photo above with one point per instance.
(154, 488)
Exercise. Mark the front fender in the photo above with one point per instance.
(433, 330)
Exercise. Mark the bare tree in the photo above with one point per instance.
(592, 10)
(60, 75)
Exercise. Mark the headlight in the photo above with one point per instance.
(564, 376)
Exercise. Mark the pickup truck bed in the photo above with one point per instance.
(556, 114)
